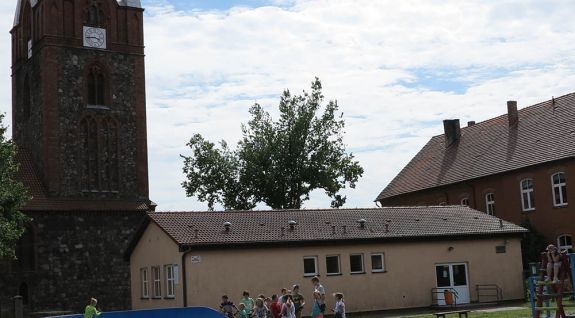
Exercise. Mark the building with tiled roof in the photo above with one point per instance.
(516, 166)
(383, 258)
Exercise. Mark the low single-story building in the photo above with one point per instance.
(382, 258)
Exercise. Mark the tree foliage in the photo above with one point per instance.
(276, 162)
(532, 244)
(13, 196)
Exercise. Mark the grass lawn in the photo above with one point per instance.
(522, 313)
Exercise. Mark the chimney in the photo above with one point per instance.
(470, 123)
(512, 114)
(452, 131)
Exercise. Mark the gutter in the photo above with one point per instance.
(184, 280)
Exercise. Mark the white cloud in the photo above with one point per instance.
(397, 68)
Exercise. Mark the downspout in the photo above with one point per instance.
(184, 280)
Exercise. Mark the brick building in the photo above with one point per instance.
(79, 120)
(515, 166)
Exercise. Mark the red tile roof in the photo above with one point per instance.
(545, 133)
(196, 229)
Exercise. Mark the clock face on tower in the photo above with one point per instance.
(95, 37)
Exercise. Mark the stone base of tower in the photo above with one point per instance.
(67, 257)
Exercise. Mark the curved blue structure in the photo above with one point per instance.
(187, 312)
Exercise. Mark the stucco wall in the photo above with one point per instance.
(409, 276)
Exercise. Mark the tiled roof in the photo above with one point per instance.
(545, 132)
(265, 227)
(41, 202)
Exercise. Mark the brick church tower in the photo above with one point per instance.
(79, 120)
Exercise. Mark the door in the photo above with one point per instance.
(452, 277)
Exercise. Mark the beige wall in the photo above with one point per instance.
(407, 282)
(155, 248)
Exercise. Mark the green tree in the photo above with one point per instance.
(13, 196)
(276, 162)
(532, 244)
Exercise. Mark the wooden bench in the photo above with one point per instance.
(462, 313)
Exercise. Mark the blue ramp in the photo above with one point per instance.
(187, 312)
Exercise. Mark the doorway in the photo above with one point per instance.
(453, 277)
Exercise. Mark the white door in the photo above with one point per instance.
(452, 276)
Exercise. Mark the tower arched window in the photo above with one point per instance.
(99, 154)
(95, 16)
(89, 154)
(96, 86)
(109, 154)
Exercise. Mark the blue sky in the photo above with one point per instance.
(396, 68)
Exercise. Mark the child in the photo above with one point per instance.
(553, 263)
(339, 309)
(91, 311)
(261, 311)
(288, 308)
(227, 307)
(316, 309)
(298, 301)
(268, 303)
(248, 302)
(242, 311)
(276, 307)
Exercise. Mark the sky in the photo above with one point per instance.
(396, 69)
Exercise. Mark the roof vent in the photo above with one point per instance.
(333, 229)
(227, 226)
(361, 223)
(344, 229)
(500, 223)
(452, 131)
(292, 224)
(512, 114)
(195, 233)
(386, 228)
(471, 123)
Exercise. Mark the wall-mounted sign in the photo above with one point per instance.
(196, 259)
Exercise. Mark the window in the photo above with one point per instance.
(332, 265)
(564, 243)
(356, 263)
(99, 154)
(96, 86)
(490, 203)
(465, 201)
(527, 197)
(145, 283)
(95, 16)
(157, 277)
(559, 189)
(26, 98)
(377, 263)
(170, 281)
(310, 266)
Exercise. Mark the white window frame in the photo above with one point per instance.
(362, 264)
(490, 203)
(145, 288)
(170, 281)
(560, 186)
(378, 270)
(316, 270)
(338, 265)
(564, 246)
(465, 201)
(157, 282)
(527, 194)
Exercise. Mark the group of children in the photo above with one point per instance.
(289, 304)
